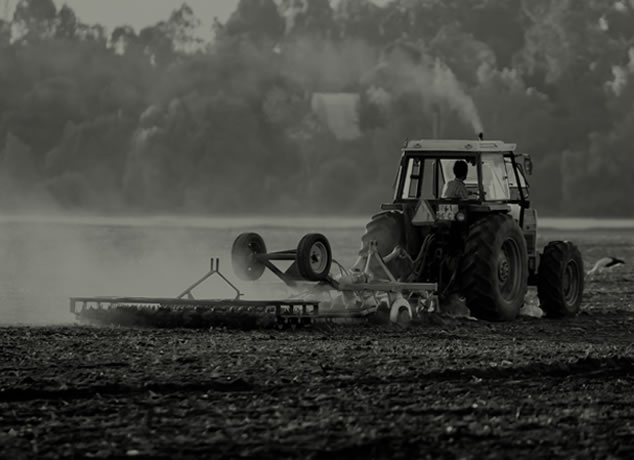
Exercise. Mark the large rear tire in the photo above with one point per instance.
(243, 256)
(314, 257)
(388, 230)
(494, 268)
(560, 280)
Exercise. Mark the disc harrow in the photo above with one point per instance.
(321, 297)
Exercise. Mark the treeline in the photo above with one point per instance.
(160, 121)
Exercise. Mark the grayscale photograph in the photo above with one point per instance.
(317, 229)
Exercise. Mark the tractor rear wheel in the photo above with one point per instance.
(243, 256)
(388, 230)
(560, 280)
(314, 257)
(494, 268)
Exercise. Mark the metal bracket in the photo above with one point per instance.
(373, 252)
(390, 286)
(214, 270)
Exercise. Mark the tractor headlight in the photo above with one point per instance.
(460, 217)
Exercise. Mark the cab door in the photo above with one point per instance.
(512, 180)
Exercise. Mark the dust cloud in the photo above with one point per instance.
(47, 260)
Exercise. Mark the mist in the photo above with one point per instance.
(47, 260)
(45, 265)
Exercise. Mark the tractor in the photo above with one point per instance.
(423, 249)
(483, 247)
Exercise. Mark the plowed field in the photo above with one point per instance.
(447, 388)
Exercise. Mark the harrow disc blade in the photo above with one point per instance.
(193, 314)
(165, 317)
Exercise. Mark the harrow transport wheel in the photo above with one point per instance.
(245, 265)
(314, 257)
(560, 280)
(494, 271)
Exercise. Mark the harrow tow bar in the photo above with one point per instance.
(214, 270)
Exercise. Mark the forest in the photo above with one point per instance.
(160, 121)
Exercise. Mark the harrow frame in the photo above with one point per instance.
(292, 312)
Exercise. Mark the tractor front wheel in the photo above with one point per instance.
(494, 268)
(243, 256)
(560, 280)
(314, 257)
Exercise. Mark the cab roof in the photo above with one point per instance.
(435, 145)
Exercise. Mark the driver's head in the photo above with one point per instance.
(460, 169)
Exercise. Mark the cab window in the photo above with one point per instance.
(413, 177)
(471, 182)
(495, 178)
(447, 172)
(419, 179)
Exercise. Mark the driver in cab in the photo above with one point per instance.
(456, 189)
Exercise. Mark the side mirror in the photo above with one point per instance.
(528, 165)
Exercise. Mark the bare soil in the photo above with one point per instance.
(448, 388)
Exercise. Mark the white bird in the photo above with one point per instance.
(606, 263)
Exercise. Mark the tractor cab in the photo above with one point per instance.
(495, 181)
(476, 238)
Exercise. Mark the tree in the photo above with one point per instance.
(462, 52)
(123, 38)
(257, 19)
(308, 17)
(66, 27)
(35, 20)
(156, 121)
(43, 112)
(157, 45)
(181, 28)
(358, 19)
(498, 24)
(5, 34)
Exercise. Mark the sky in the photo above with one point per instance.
(138, 13)
(142, 13)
